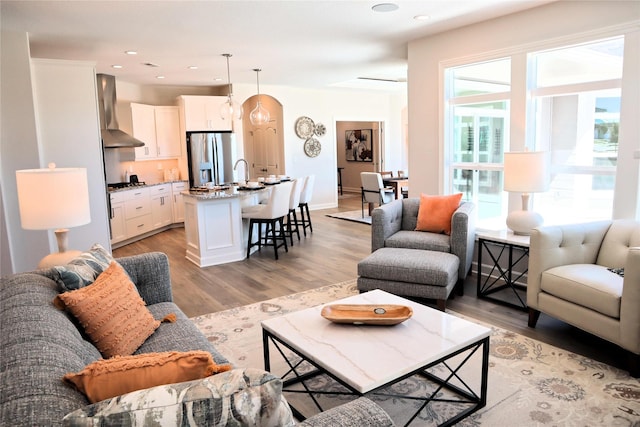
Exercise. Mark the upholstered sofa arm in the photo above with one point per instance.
(463, 236)
(150, 273)
(553, 246)
(629, 313)
(357, 413)
(385, 221)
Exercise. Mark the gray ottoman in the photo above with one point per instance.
(410, 272)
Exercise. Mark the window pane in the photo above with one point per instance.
(575, 198)
(580, 64)
(481, 78)
(482, 187)
(479, 132)
(580, 129)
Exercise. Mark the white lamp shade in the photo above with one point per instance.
(53, 198)
(526, 172)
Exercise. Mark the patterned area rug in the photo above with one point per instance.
(355, 216)
(530, 383)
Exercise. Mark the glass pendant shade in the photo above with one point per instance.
(259, 115)
(230, 110)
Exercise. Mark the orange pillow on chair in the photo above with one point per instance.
(435, 212)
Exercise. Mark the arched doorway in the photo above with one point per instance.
(264, 144)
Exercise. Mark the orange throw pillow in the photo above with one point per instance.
(108, 378)
(435, 212)
(112, 313)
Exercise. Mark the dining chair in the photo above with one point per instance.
(386, 174)
(374, 191)
(292, 217)
(305, 198)
(271, 213)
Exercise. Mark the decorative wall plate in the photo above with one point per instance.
(305, 127)
(320, 129)
(312, 147)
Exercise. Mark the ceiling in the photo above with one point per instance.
(311, 44)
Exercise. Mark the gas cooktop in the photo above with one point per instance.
(125, 184)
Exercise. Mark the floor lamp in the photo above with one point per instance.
(525, 172)
(54, 199)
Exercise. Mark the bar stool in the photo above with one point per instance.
(340, 180)
(292, 218)
(305, 198)
(271, 213)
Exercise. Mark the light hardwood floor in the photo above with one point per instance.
(329, 255)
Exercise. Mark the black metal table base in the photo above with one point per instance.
(296, 375)
(505, 279)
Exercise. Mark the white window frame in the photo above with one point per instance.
(626, 203)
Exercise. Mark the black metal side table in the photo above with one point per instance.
(502, 283)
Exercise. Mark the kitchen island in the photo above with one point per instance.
(213, 224)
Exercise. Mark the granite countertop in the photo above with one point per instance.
(223, 193)
(114, 190)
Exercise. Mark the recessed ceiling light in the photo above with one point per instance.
(116, 66)
(130, 52)
(159, 77)
(421, 17)
(384, 7)
(193, 67)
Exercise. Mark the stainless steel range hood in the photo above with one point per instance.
(112, 136)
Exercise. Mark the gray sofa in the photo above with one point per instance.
(40, 343)
(393, 225)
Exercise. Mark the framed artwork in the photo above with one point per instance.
(359, 145)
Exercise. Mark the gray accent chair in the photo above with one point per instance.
(393, 226)
(569, 279)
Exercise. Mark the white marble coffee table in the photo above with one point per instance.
(365, 359)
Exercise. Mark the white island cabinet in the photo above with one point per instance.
(213, 225)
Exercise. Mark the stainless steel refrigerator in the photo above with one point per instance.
(211, 157)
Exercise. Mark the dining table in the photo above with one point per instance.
(396, 183)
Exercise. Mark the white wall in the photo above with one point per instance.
(49, 114)
(69, 135)
(570, 21)
(18, 150)
(327, 107)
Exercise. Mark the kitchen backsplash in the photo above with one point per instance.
(151, 172)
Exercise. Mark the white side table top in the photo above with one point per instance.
(503, 236)
(366, 357)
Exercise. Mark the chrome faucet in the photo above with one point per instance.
(246, 168)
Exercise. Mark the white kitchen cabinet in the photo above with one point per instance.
(118, 226)
(178, 203)
(144, 128)
(137, 210)
(202, 113)
(168, 133)
(159, 128)
(161, 205)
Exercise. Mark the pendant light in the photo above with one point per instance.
(230, 110)
(259, 115)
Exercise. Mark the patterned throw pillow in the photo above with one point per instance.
(108, 378)
(618, 271)
(83, 270)
(111, 312)
(247, 397)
